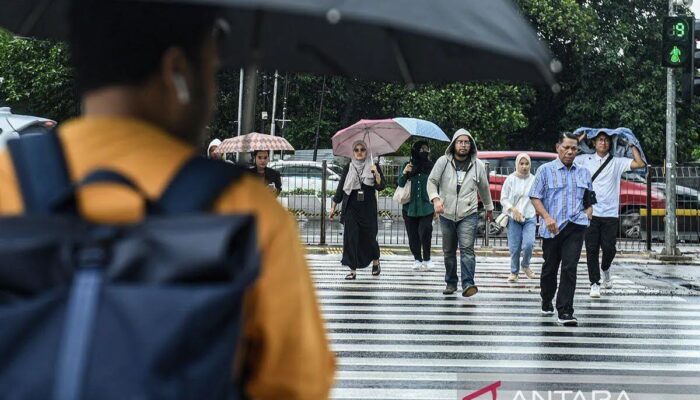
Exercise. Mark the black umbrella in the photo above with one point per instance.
(400, 40)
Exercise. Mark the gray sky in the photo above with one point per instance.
(696, 8)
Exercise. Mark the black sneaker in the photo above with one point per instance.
(547, 309)
(567, 320)
(449, 289)
(470, 291)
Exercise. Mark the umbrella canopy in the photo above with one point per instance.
(411, 41)
(382, 136)
(253, 141)
(422, 128)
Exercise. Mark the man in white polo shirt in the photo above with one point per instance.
(602, 232)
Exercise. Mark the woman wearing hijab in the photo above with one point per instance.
(418, 212)
(213, 145)
(357, 193)
(515, 202)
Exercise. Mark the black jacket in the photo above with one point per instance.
(270, 176)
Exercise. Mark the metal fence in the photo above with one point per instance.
(308, 197)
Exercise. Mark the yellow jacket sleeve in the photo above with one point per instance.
(285, 349)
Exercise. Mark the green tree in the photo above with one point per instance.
(612, 73)
(35, 78)
(490, 112)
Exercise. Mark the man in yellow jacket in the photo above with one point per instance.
(147, 77)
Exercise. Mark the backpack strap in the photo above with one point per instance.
(197, 185)
(41, 170)
(602, 167)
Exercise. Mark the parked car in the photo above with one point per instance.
(687, 214)
(307, 175)
(633, 191)
(14, 125)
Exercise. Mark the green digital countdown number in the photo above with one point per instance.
(677, 46)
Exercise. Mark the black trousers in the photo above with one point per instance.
(420, 233)
(564, 249)
(602, 233)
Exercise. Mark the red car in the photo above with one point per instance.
(633, 195)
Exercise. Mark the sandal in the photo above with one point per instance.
(376, 269)
(351, 276)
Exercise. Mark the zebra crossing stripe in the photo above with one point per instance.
(398, 337)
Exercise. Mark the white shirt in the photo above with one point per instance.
(607, 185)
(514, 194)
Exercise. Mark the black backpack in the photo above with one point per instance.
(150, 310)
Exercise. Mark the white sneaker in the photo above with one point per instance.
(607, 280)
(595, 290)
(512, 278)
(417, 265)
(428, 265)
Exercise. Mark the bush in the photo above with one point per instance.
(298, 192)
(388, 191)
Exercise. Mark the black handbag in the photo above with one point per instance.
(589, 197)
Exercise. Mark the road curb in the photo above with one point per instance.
(644, 257)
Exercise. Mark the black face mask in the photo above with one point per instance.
(423, 155)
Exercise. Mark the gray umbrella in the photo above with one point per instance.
(387, 40)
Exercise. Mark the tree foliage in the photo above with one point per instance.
(35, 78)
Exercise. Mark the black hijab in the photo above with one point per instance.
(420, 161)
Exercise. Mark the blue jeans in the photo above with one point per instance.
(464, 233)
(521, 238)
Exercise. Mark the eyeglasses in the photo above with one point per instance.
(462, 143)
(359, 150)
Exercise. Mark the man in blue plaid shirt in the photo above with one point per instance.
(558, 196)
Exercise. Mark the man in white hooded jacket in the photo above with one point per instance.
(452, 187)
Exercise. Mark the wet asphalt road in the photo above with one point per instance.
(397, 337)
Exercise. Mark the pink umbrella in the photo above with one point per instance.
(253, 141)
(382, 136)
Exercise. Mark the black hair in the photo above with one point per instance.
(122, 42)
(254, 153)
(566, 135)
(601, 132)
(472, 146)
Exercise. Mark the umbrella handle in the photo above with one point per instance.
(369, 144)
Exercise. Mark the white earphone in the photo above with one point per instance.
(183, 93)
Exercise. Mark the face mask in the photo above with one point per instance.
(423, 155)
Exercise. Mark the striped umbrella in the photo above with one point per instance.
(253, 141)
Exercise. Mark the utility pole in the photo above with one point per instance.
(263, 95)
(284, 110)
(274, 105)
(670, 231)
(240, 107)
(274, 110)
(240, 102)
(251, 81)
(318, 123)
(284, 104)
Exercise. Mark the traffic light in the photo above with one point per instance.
(690, 79)
(678, 42)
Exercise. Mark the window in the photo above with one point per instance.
(508, 165)
(337, 169)
(314, 172)
(494, 163)
(296, 171)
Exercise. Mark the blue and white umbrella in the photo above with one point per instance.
(422, 128)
